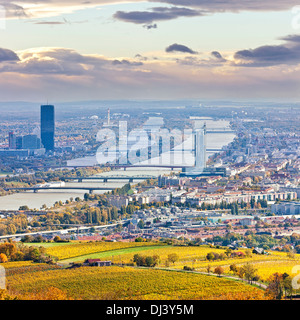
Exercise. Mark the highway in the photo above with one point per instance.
(78, 228)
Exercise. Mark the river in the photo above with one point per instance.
(49, 197)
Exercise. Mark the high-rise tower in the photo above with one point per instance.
(47, 127)
(11, 140)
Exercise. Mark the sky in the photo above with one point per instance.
(72, 50)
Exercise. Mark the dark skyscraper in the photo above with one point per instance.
(47, 127)
(11, 140)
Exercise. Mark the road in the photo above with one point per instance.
(78, 228)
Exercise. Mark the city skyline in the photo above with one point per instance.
(150, 49)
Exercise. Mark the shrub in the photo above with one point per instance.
(186, 268)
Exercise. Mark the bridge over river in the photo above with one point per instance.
(112, 177)
(36, 189)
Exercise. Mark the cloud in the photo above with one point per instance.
(196, 8)
(210, 62)
(233, 5)
(156, 14)
(52, 8)
(49, 8)
(63, 22)
(50, 22)
(291, 38)
(8, 55)
(13, 10)
(65, 74)
(180, 48)
(61, 61)
(126, 62)
(216, 54)
(287, 53)
(140, 57)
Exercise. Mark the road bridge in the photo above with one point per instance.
(107, 178)
(36, 189)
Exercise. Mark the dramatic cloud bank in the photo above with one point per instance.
(177, 72)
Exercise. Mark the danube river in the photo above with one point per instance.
(49, 197)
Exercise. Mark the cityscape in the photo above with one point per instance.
(172, 174)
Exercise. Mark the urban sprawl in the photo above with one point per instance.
(249, 186)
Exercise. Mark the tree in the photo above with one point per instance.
(275, 287)
(32, 254)
(173, 257)
(114, 213)
(141, 224)
(8, 249)
(123, 210)
(279, 285)
(57, 239)
(27, 239)
(210, 256)
(3, 258)
(24, 208)
(287, 284)
(219, 270)
(38, 238)
(297, 248)
(208, 268)
(233, 268)
(232, 208)
(249, 272)
(11, 229)
(252, 203)
(17, 256)
(151, 261)
(228, 252)
(139, 239)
